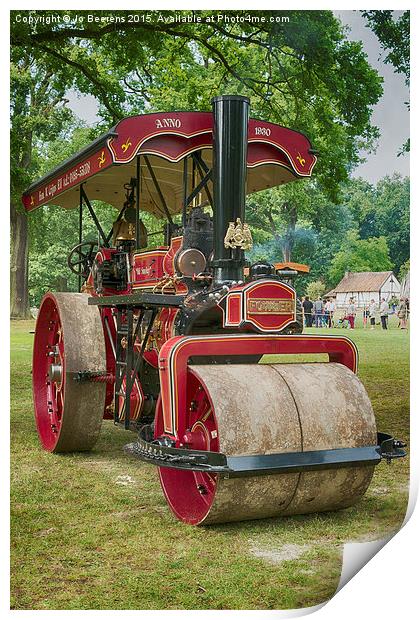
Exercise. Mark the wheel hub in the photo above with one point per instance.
(55, 373)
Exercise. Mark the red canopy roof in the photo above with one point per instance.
(276, 155)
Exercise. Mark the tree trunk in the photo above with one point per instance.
(290, 212)
(19, 301)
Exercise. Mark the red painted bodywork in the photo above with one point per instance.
(72, 176)
(147, 268)
(172, 136)
(242, 306)
(175, 353)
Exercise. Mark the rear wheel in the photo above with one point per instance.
(68, 339)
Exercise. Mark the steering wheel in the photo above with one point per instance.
(81, 256)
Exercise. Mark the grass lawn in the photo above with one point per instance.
(92, 531)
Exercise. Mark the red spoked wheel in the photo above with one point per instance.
(190, 495)
(69, 340)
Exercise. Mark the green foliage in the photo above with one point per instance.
(394, 36)
(304, 74)
(292, 214)
(315, 289)
(384, 211)
(37, 111)
(404, 269)
(360, 255)
(392, 202)
(320, 228)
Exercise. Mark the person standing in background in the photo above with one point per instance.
(329, 312)
(332, 310)
(393, 304)
(373, 308)
(365, 316)
(351, 313)
(403, 313)
(319, 307)
(384, 311)
(307, 310)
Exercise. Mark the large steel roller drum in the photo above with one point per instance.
(268, 408)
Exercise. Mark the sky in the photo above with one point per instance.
(390, 114)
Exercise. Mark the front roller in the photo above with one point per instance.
(69, 342)
(271, 409)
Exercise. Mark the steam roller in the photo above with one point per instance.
(169, 341)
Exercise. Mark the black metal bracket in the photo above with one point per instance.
(391, 448)
(128, 362)
(157, 453)
(82, 376)
(138, 300)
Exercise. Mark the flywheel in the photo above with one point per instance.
(254, 409)
(69, 343)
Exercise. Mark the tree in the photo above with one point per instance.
(383, 210)
(305, 74)
(293, 215)
(359, 255)
(404, 269)
(359, 198)
(37, 112)
(394, 36)
(392, 199)
(315, 289)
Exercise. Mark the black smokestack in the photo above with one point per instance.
(230, 143)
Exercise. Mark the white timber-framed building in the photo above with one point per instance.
(365, 286)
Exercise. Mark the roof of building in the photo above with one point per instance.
(331, 293)
(362, 281)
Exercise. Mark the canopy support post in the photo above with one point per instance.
(200, 186)
(138, 171)
(195, 189)
(184, 201)
(200, 167)
(93, 215)
(111, 232)
(159, 191)
(80, 235)
(192, 182)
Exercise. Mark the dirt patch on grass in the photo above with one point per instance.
(125, 480)
(277, 555)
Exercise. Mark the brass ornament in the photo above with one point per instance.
(271, 306)
(101, 159)
(238, 236)
(126, 145)
(301, 160)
